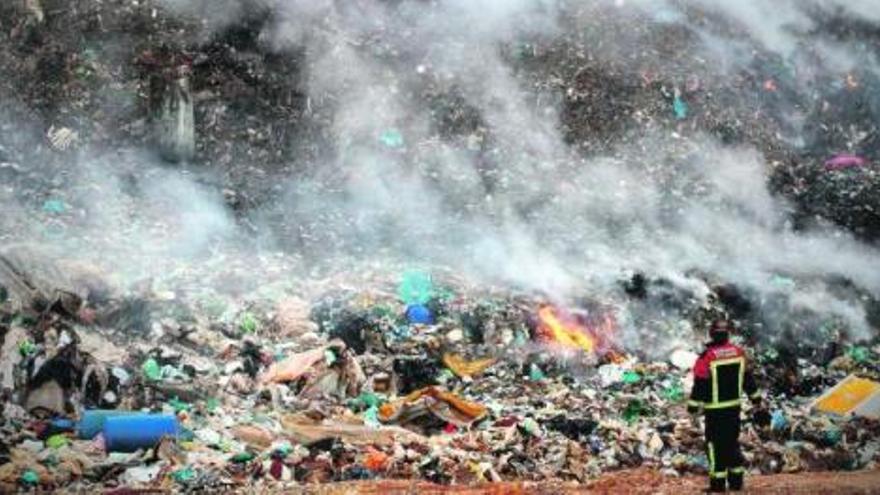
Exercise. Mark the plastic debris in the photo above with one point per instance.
(295, 366)
(680, 107)
(432, 400)
(184, 475)
(152, 370)
(92, 421)
(392, 138)
(30, 478)
(631, 377)
(62, 138)
(860, 354)
(852, 396)
(131, 432)
(26, 348)
(633, 411)
(419, 314)
(376, 460)
(56, 206)
(841, 162)
(683, 359)
(778, 421)
(531, 427)
(57, 441)
(674, 392)
(610, 374)
(416, 288)
(464, 368)
(248, 323)
(141, 475)
(535, 373)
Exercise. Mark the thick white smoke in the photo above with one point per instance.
(508, 200)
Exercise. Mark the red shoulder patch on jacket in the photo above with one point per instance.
(724, 351)
(701, 367)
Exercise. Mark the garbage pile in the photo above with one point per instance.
(415, 378)
(189, 366)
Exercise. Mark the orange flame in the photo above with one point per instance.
(595, 335)
(564, 331)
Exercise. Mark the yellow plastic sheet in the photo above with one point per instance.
(847, 395)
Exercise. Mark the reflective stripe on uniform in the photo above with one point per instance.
(720, 474)
(711, 452)
(738, 470)
(714, 372)
(722, 405)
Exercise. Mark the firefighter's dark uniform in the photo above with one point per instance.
(720, 378)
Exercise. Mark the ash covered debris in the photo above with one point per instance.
(303, 242)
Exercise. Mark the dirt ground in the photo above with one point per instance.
(639, 481)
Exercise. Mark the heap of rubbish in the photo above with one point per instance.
(419, 376)
(152, 338)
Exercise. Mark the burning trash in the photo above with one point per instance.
(577, 330)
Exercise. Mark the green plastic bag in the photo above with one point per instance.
(535, 373)
(30, 477)
(152, 370)
(366, 400)
(680, 107)
(54, 206)
(179, 405)
(371, 417)
(391, 138)
(184, 475)
(26, 348)
(631, 377)
(633, 410)
(859, 354)
(674, 392)
(248, 323)
(57, 441)
(415, 287)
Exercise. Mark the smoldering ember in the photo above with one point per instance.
(431, 246)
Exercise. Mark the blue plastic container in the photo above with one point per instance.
(92, 422)
(419, 314)
(132, 432)
(62, 424)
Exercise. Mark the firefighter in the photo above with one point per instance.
(721, 375)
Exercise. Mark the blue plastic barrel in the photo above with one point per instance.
(92, 421)
(132, 432)
(419, 314)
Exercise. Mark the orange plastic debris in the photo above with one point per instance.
(471, 410)
(376, 460)
(463, 368)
